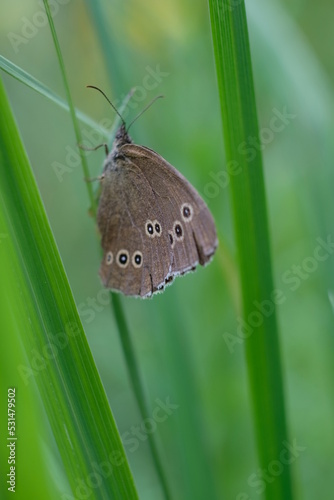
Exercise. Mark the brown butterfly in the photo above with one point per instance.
(153, 223)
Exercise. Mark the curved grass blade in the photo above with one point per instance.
(46, 316)
(22, 76)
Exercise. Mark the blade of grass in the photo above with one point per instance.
(30, 424)
(51, 331)
(137, 384)
(116, 301)
(22, 76)
(235, 82)
(71, 106)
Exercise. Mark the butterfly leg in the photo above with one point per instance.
(104, 145)
(85, 148)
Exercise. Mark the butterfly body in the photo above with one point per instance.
(153, 223)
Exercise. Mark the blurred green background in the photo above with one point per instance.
(207, 442)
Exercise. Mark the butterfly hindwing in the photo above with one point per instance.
(180, 203)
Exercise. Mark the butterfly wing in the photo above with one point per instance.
(132, 262)
(180, 203)
(153, 223)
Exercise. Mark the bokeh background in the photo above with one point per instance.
(207, 441)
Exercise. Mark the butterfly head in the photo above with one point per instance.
(122, 137)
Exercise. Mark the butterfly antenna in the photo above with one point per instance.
(143, 110)
(111, 104)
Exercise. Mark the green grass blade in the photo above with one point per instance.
(22, 76)
(137, 385)
(235, 82)
(76, 127)
(41, 305)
